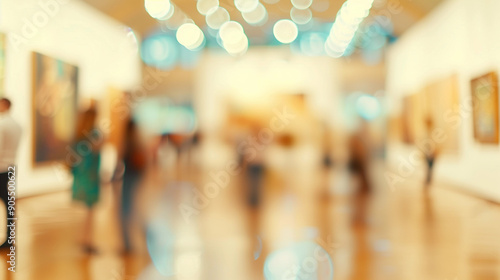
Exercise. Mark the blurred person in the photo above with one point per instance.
(181, 142)
(195, 144)
(196, 141)
(431, 153)
(358, 165)
(327, 161)
(155, 143)
(135, 165)
(85, 171)
(358, 162)
(10, 135)
(255, 170)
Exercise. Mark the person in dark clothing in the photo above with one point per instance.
(430, 154)
(135, 162)
(358, 163)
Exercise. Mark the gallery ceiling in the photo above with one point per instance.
(403, 13)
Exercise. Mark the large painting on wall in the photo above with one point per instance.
(2, 64)
(426, 113)
(413, 114)
(442, 101)
(406, 121)
(484, 91)
(55, 86)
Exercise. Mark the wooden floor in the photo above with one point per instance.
(399, 234)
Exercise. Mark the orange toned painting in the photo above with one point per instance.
(484, 91)
(55, 86)
(442, 103)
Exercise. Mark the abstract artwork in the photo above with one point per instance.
(55, 87)
(484, 91)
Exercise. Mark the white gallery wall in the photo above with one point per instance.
(459, 37)
(103, 49)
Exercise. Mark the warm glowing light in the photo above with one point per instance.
(157, 8)
(256, 17)
(351, 14)
(333, 49)
(233, 38)
(170, 13)
(198, 44)
(217, 17)
(285, 31)
(302, 4)
(246, 6)
(301, 16)
(231, 32)
(190, 36)
(205, 6)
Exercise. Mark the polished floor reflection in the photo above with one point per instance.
(400, 234)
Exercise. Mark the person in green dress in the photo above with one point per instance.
(85, 170)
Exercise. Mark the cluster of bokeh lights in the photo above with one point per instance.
(190, 36)
(347, 22)
(231, 35)
(233, 38)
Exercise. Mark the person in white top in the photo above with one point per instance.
(10, 135)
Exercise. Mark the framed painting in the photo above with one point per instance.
(406, 121)
(442, 99)
(484, 92)
(55, 91)
(413, 114)
(394, 128)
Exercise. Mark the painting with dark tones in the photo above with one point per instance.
(55, 85)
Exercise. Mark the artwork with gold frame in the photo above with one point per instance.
(55, 90)
(484, 90)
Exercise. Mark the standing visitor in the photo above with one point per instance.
(135, 165)
(86, 171)
(431, 153)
